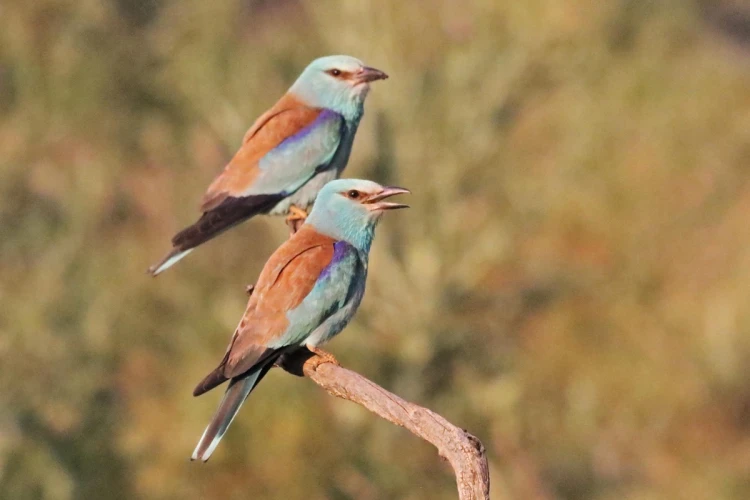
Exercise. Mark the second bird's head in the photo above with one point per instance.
(338, 83)
(349, 209)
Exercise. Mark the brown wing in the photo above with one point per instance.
(287, 278)
(287, 117)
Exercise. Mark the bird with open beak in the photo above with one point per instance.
(288, 154)
(306, 294)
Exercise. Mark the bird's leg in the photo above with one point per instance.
(321, 356)
(295, 218)
(249, 289)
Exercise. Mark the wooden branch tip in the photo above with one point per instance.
(464, 451)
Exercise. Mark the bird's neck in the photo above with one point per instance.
(351, 109)
(353, 114)
(340, 226)
(347, 104)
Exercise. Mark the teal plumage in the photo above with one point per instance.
(306, 294)
(288, 155)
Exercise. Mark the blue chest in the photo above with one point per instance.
(332, 302)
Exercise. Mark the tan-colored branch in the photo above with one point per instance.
(463, 451)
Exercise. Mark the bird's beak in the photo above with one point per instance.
(366, 75)
(375, 202)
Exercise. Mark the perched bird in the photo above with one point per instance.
(307, 293)
(288, 154)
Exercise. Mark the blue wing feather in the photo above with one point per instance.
(295, 160)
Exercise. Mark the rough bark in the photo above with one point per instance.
(463, 451)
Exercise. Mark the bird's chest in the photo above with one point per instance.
(305, 195)
(335, 297)
(341, 284)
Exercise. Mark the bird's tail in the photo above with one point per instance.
(172, 258)
(235, 395)
(212, 223)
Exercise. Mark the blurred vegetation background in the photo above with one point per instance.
(571, 284)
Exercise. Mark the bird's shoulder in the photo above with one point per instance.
(289, 275)
(285, 118)
(296, 263)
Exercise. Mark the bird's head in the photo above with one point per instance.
(338, 83)
(349, 209)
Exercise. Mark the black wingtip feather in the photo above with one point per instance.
(212, 380)
(229, 213)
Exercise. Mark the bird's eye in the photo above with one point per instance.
(335, 72)
(353, 194)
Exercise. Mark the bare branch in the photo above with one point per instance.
(463, 451)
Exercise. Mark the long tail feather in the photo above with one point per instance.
(212, 223)
(237, 392)
(172, 258)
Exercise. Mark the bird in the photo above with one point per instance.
(288, 154)
(307, 292)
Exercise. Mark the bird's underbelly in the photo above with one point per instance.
(305, 196)
(335, 324)
(332, 326)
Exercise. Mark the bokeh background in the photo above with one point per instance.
(571, 285)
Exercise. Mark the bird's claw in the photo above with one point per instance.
(295, 219)
(249, 289)
(296, 212)
(320, 357)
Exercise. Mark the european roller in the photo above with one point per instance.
(306, 294)
(288, 154)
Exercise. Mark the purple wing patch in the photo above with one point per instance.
(292, 163)
(323, 117)
(340, 250)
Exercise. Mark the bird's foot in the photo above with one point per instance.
(297, 212)
(320, 357)
(295, 219)
(249, 289)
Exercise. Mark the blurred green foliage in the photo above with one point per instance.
(571, 284)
